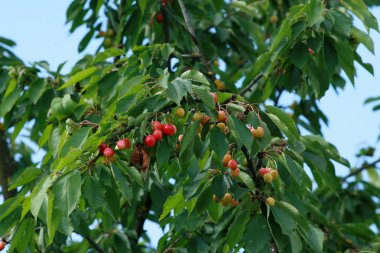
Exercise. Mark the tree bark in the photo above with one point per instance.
(7, 166)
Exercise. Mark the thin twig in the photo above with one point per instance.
(364, 167)
(251, 84)
(94, 244)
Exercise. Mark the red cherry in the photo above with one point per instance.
(123, 144)
(311, 51)
(168, 129)
(215, 97)
(222, 116)
(2, 245)
(180, 137)
(232, 164)
(102, 147)
(150, 140)
(108, 152)
(263, 171)
(205, 119)
(159, 17)
(175, 129)
(163, 2)
(156, 125)
(157, 135)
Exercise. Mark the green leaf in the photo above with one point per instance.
(45, 135)
(299, 55)
(176, 91)
(68, 159)
(283, 121)
(313, 11)
(142, 5)
(93, 192)
(10, 205)
(38, 195)
(23, 235)
(240, 132)
(204, 94)
(67, 192)
(195, 76)
(36, 89)
(131, 172)
(7, 104)
(246, 179)
(79, 77)
(236, 229)
(257, 235)
(53, 218)
(86, 40)
(360, 9)
(218, 142)
(220, 186)
(108, 53)
(27, 175)
(188, 136)
(171, 203)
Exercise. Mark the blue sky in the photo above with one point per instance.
(39, 29)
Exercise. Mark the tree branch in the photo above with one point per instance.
(364, 167)
(251, 84)
(94, 244)
(7, 166)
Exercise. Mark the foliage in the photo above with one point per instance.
(142, 73)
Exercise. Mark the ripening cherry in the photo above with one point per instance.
(205, 119)
(215, 97)
(168, 129)
(102, 147)
(108, 152)
(268, 178)
(263, 171)
(274, 174)
(157, 135)
(197, 116)
(156, 125)
(226, 199)
(311, 51)
(150, 140)
(222, 116)
(215, 198)
(235, 173)
(226, 159)
(159, 17)
(123, 144)
(180, 112)
(180, 137)
(222, 126)
(258, 132)
(271, 201)
(234, 202)
(2, 245)
(232, 164)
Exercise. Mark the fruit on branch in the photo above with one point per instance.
(235, 173)
(168, 129)
(274, 174)
(150, 140)
(102, 147)
(156, 125)
(159, 17)
(215, 198)
(108, 152)
(157, 135)
(268, 178)
(311, 51)
(245, 162)
(197, 116)
(180, 112)
(258, 132)
(140, 157)
(123, 144)
(271, 201)
(226, 159)
(274, 19)
(219, 84)
(234, 202)
(205, 119)
(107, 42)
(226, 199)
(222, 116)
(215, 97)
(180, 137)
(2, 245)
(232, 164)
(222, 126)
(110, 33)
(263, 171)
